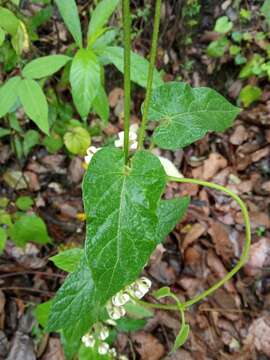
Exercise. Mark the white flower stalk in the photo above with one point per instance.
(88, 340)
(115, 312)
(90, 153)
(103, 348)
(133, 143)
(120, 299)
(104, 333)
(169, 167)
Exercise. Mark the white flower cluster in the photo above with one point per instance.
(96, 338)
(138, 289)
(133, 143)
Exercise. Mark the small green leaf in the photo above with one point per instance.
(34, 103)
(217, 48)
(3, 239)
(42, 311)
(223, 25)
(250, 94)
(101, 105)
(2, 36)
(139, 65)
(29, 228)
(181, 337)
(4, 132)
(8, 95)
(24, 203)
(77, 140)
(69, 12)
(75, 308)
(186, 114)
(265, 10)
(105, 40)
(162, 292)
(101, 15)
(85, 80)
(9, 22)
(170, 212)
(118, 201)
(130, 325)
(251, 66)
(31, 139)
(68, 260)
(44, 66)
(137, 311)
(53, 143)
(20, 41)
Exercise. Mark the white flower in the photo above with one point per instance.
(169, 167)
(113, 352)
(122, 357)
(115, 312)
(90, 153)
(104, 333)
(133, 144)
(140, 287)
(103, 348)
(120, 299)
(88, 340)
(110, 322)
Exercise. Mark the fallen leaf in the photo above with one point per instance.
(54, 350)
(258, 334)
(194, 233)
(239, 135)
(221, 240)
(148, 347)
(259, 256)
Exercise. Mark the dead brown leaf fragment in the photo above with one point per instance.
(148, 346)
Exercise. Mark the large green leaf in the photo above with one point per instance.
(101, 105)
(75, 309)
(85, 80)
(8, 95)
(101, 15)
(186, 114)
(69, 13)
(265, 10)
(34, 103)
(121, 207)
(139, 65)
(9, 22)
(44, 66)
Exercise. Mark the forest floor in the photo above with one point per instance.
(232, 324)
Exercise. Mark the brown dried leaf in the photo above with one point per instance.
(259, 256)
(195, 233)
(148, 347)
(258, 334)
(220, 237)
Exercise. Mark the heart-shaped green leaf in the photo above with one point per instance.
(121, 207)
(186, 114)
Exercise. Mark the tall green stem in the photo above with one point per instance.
(245, 252)
(127, 87)
(153, 55)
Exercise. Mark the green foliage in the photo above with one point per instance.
(68, 260)
(44, 66)
(24, 203)
(8, 95)
(30, 139)
(181, 337)
(3, 238)
(42, 311)
(218, 47)
(29, 228)
(121, 213)
(139, 65)
(265, 10)
(85, 80)
(69, 13)
(100, 16)
(77, 140)
(34, 103)
(250, 94)
(187, 114)
(223, 25)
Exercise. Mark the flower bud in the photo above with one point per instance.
(115, 312)
(104, 333)
(120, 299)
(103, 348)
(88, 340)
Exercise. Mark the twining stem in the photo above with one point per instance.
(153, 55)
(127, 87)
(242, 260)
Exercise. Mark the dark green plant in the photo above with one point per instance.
(126, 217)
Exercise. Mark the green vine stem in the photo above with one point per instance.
(242, 260)
(150, 74)
(127, 86)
